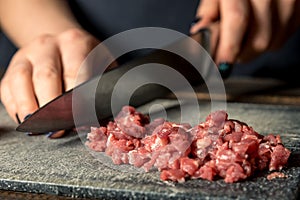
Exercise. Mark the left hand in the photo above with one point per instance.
(44, 69)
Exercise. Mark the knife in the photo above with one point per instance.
(58, 114)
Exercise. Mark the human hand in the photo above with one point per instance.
(243, 29)
(44, 69)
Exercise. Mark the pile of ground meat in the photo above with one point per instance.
(217, 148)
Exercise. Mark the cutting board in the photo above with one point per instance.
(65, 167)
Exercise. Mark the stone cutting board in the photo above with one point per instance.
(65, 167)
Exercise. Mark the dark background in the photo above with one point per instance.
(108, 17)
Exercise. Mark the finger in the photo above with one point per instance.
(295, 17)
(47, 74)
(75, 45)
(260, 31)
(214, 29)
(233, 25)
(47, 81)
(21, 89)
(208, 11)
(75, 66)
(7, 100)
(56, 134)
(284, 15)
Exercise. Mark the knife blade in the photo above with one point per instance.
(58, 115)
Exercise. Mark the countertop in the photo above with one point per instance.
(36, 167)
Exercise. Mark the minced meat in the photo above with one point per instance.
(217, 148)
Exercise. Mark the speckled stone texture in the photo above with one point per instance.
(65, 167)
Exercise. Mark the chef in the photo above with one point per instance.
(43, 42)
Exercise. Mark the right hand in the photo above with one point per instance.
(243, 29)
(44, 69)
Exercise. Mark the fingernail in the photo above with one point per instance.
(27, 116)
(225, 69)
(195, 21)
(193, 30)
(49, 134)
(28, 133)
(18, 119)
(31, 134)
(56, 134)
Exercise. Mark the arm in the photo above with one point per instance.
(24, 21)
(52, 48)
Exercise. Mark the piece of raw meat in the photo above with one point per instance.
(217, 148)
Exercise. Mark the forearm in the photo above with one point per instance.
(25, 20)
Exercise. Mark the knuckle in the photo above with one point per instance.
(75, 37)
(43, 39)
(47, 71)
(72, 34)
(239, 14)
(20, 70)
